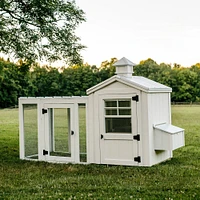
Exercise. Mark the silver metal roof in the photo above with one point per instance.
(146, 84)
(138, 82)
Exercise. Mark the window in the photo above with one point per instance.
(118, 116)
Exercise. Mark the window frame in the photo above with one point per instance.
(118, 115)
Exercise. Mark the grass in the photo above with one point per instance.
(178, 178)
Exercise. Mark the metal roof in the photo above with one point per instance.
(137, 82)
(146, 84)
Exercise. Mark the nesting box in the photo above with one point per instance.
(168, 137)
(127, 122)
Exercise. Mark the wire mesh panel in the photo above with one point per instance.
(60, 132)
(30, 131)
(82, 133)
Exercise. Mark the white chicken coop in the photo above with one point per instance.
(125, 120)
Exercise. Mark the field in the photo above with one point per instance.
(178, 178)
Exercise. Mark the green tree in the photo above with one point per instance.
(147, 68)
(14, 82)
(46, 80)
(106, 69)
(196, 68)
(75, 80)
(23, 79)
(8, 88)
(40, 29)
(183, 81)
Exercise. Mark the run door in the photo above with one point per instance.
(59, 132)
(118, 132)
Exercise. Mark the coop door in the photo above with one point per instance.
(118, 139)
(59, 132)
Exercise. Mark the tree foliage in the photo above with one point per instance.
(107, 69)
(14, 82)
(28, 79)
(40, 29)
(184, 82)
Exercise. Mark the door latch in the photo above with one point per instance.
(137, 159)
(72, 132)
(136, 137)
(45, 152)
(44, 110)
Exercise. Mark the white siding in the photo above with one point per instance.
(159, 111)
(116, 88)
(144, 127)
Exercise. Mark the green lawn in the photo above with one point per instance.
(178, 178)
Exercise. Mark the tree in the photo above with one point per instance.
(183, 82)
(14, 82)
(146, 68)
(40, 29)
(75, 80)
(46, 80)
(196, 68)
(107, 69)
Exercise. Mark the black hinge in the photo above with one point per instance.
(135, 98)
(137, 159)
(136, 137)
(72, 132)
(101, 136)
(45, 152)
(44, 111)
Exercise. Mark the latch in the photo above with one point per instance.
(44, 110)
(135, 98)
(45, 152)
(137, 159)
(136, 137)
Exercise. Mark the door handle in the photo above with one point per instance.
(72, 132)
(101, 136)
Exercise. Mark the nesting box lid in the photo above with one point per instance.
(168, 128)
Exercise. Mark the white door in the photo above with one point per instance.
(59, 132)
(118, 131)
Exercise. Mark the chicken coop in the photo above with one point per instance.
(124, 120)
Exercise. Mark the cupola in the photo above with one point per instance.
(124, 67)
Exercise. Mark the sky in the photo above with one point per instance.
(164, 30)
